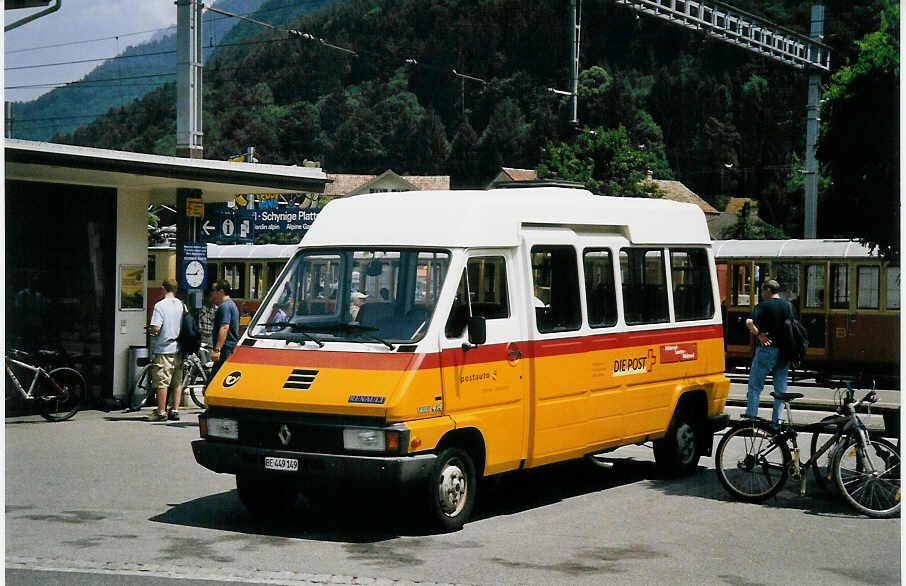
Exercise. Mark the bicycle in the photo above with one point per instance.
(754, 459)
(195, 379)
(59, 393)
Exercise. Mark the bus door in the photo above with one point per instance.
(813, 312)
(742, 297)
(486, 386)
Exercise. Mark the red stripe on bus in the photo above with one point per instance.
(477, 355)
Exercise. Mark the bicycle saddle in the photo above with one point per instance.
(787, 396)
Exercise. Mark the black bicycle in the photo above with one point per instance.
(754, 459)
(196, 374)
(58, 393)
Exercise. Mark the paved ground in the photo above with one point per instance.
(109, 498)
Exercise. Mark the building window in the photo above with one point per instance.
(868, 287)
(555, 274)
(839, 286)
(644, 285)
(893, 287)
(600, 291)
(693, 297)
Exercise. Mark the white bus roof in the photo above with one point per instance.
(494, 218)
(831, 248)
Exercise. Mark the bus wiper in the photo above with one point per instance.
(361, 330)
(296, 329)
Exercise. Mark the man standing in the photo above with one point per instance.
(166, 365)
(766, 323)
(226, 324)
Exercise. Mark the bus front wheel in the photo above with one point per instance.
(452, 488)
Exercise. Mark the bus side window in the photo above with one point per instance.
(599, 288)
(693, 297)
(555, 272)
(487, 290)
(643, 273)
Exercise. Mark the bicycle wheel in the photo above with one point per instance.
(60, 394)
(142, 390)
(869, 477)
(822, 468)
(196, 384)
(751, 464)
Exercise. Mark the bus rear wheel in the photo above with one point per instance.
(678, 452)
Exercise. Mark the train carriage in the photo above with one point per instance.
(847, 298)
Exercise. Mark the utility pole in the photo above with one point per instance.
(188, 79)
(574, 64)
(811, 131)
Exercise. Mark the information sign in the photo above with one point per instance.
(194, 273)
(194, 207)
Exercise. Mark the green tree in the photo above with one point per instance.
(860, 142)
(751, 227)
(464, 163)
(606, 161)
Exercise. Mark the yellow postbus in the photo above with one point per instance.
(434, 338)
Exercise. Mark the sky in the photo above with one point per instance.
(76, 20)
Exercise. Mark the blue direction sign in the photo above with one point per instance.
(194, 273)
(288, 219)
(227, 226)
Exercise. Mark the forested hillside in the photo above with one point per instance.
(136, 70)
(723, 121)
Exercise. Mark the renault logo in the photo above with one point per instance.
(231, 379)
(284, 435)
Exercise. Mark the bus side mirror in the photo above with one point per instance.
(478, 332)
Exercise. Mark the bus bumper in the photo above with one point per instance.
(229, 458)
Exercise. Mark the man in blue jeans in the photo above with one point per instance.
(765, 324)
(226, 324)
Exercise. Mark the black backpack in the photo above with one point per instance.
(189, 338)
(794, 339)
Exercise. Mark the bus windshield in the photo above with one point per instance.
(360, 295)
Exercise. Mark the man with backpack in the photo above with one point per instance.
(769, 324)
(166, 363)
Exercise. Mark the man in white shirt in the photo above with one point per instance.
(166, 364)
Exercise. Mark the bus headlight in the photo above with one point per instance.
(362, 439)
(223, 428)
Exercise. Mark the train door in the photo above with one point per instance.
(813, 312)
(742, 297)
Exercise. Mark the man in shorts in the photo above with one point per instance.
(166, 364)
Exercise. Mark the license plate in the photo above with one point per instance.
(288, 464)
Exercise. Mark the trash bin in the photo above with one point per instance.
(138, 359)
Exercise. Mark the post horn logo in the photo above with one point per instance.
(231, 379)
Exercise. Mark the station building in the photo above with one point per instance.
(76, 231)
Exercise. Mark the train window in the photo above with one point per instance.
(789, 279)
(600, 292)
(490, 301)
(893, 287)
(693, 297)
(868, 287)
(762, 272)
(273, 270)
(255, 284)
(234, 274)
(814, 285)
(555, 274)
(742, 285)
(839, 284)
(644, 278)
(212, 273)
(152, 267)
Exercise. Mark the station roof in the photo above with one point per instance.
(495, 218)
(829, 248)
(158, 174)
